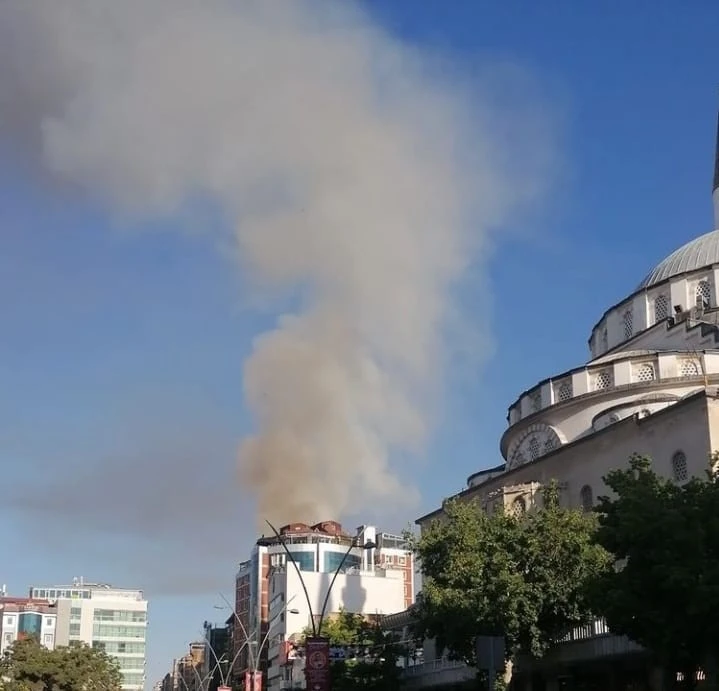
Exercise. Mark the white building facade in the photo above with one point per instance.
(114, 619)
(26, 618)
(271, 601)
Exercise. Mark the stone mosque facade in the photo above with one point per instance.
(650, 386)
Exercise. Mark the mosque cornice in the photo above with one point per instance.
(648, 289)
(612, 392)
(505, 479)
(605, 360)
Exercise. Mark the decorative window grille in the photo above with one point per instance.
(536, 401)
(628, 324)
(661, 308)
(680, 471)
(644, 372)
(534, 449)
(703, 294)
(519, 507)
(688, 368)
(563, 392)
(587, 498)
(603, 380)
(549, 445)
(518, 459)
(613, 418)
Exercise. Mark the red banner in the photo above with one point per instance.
(253, 681)
(317, 664)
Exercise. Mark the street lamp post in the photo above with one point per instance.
(317, 648)
(255, 657)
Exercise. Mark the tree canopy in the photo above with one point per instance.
(371, 663)
(521, 577)
(28, 666)
(664, 594)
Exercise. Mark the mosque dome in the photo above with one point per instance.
(700, 252)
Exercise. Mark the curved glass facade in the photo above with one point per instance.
(332, 561)
(305, 560)
(30, 625)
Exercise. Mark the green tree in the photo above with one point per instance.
(27, 666)
(664, 593)
(372, 653)
(521, 577)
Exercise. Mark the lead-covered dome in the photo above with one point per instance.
(700, 252)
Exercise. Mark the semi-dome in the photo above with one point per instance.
(700, 252)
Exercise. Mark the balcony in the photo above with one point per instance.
(593, 641)
(435, 673)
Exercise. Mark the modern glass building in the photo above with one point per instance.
(114, 619)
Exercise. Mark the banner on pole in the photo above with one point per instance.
(317, 664)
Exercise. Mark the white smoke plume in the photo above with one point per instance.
(359, 180)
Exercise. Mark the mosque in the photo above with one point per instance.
(650, 386)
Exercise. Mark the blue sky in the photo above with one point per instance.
(121, 347)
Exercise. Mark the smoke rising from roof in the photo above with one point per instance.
(358, 178)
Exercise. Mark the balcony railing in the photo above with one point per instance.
(439, 665)
(598, 627)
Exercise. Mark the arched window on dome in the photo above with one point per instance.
(587, 498)
(661, 308)
(534, 448)
(644, 372)
(688, 368)
(605, 340)
(628, 320)
(563, 391)
(680, 471)
(703, 294)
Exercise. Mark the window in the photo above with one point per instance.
(9, 621)
(586, 498)
(614, 417)
(518, 459)
(703, 294)
(119, 615)
(8, 638)
(519, 507)
(49, 622)
(535, 401)
(74, 629)
(48, 640)
(605, 340)
(563, 392)
(549, 445)
(688, 368)
(75, 612)
(661, 308)
(644, 372)
(602, 380)
(112, 631)
(628, 321)
(534, 451)
(680, 472)
(304, 560)
(332, 561)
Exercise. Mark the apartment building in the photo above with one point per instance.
(114, 619)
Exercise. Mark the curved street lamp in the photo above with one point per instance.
(249, 642)
(317, 628)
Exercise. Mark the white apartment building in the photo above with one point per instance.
(25, 618)
(272, 600)
(114, 619)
